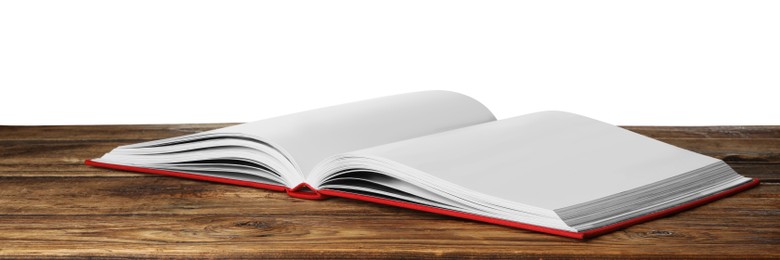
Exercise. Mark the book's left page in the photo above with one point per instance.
(282, 151)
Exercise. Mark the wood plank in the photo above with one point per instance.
(96, 217)
(101, 132)
(51, 205)
(145, 132)
(341, 236)
(51, 153)
(731, 150)
(766, 172)
(168, 195)
(708, 132)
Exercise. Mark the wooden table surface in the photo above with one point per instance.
(52, 205)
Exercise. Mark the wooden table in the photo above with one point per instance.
(52, 205)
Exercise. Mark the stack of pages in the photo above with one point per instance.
(444, 152)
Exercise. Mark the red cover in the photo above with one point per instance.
(298, 192)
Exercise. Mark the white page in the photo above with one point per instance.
(549, 159)
(311, 136)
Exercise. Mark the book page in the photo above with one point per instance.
(311, 136)
(548, 160)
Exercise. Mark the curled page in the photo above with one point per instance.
(284, 149)
(311, 136)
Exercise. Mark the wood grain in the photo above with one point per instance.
(51, 205)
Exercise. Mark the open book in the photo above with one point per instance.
(444, 152)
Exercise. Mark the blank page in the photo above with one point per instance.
(549, 159)
(311, 136)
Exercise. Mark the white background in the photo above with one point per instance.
(624, 62)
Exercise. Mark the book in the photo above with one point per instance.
(444, 152)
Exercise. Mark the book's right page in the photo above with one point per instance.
(550, 160)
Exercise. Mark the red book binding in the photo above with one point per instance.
(304, 191)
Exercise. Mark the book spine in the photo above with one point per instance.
(304, 191)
